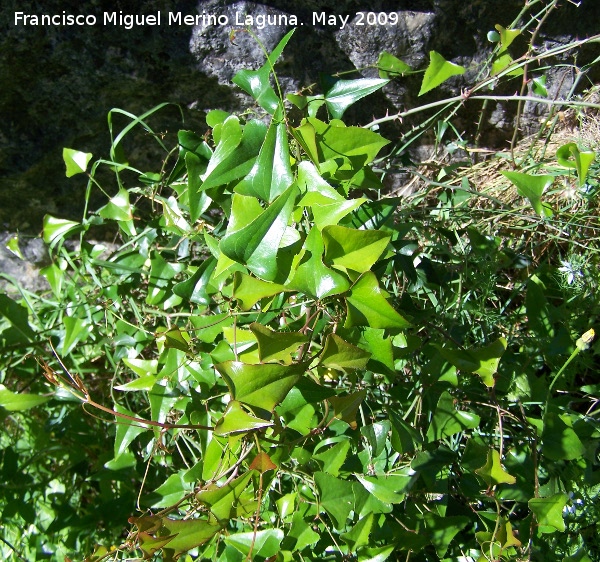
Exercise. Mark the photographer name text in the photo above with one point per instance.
(240, 19)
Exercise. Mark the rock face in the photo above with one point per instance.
(59, 82)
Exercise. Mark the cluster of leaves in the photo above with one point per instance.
(291, 373)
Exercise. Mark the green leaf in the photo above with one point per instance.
(346, 92)
(159, 282)
(559, 441)
(391, 66)
(263, 386)
(405, 438)
(126, 431)
(349, 148)
(580, 160)
(276, 346)
(346, 407)
(539, 86)
(374, 214)
(55, 229)
(532, 187)
(492, 471)
(484, 360)
(301, 532)
(237, 420)
(17, 316)
(501, 62)
(271, 174)
(507, 36)
(337, 497)
(334, 457)
(118, 208)
(235, 155)
(256, 245)
(312, 276)
(257, 82)
(376, 435)
(447, 420)
(264, 544)
(249, 290)
(367, 306)
(441, 530)
(75, 161)
(223, 500)
(174, 536)
(358, 536)
(76, 330)
(357, 250)
(438, 71)
(196, 288)
(391, 488)
(22, 401)
(341, 355)
(169, 492)
(549, 511)
(195, 168)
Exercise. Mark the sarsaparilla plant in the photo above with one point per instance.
(281, 380)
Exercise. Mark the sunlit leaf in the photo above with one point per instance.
(333, 458)
(264, 544)
(438, 71)
(549, 511)
(390, 66)
(492, 471)
(391, 488)
(55, 229)
(532, 187)
(339, 354)
(223, 500)
(263, 386)
(271, 174)
(570, 156)
(249, 290)
(367, 306)
(257, 83)
(359, 535)
(76, 161)
(276, 346)
(312, 276)
(357, 250)
(237, 420)
(257, 244)
(262, 463)
(14, 402)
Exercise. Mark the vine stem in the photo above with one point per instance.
(464, 98)
(79, 390)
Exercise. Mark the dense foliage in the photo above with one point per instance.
(288, 364)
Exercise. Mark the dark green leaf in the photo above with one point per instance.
(346, 92)
(447, 420)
